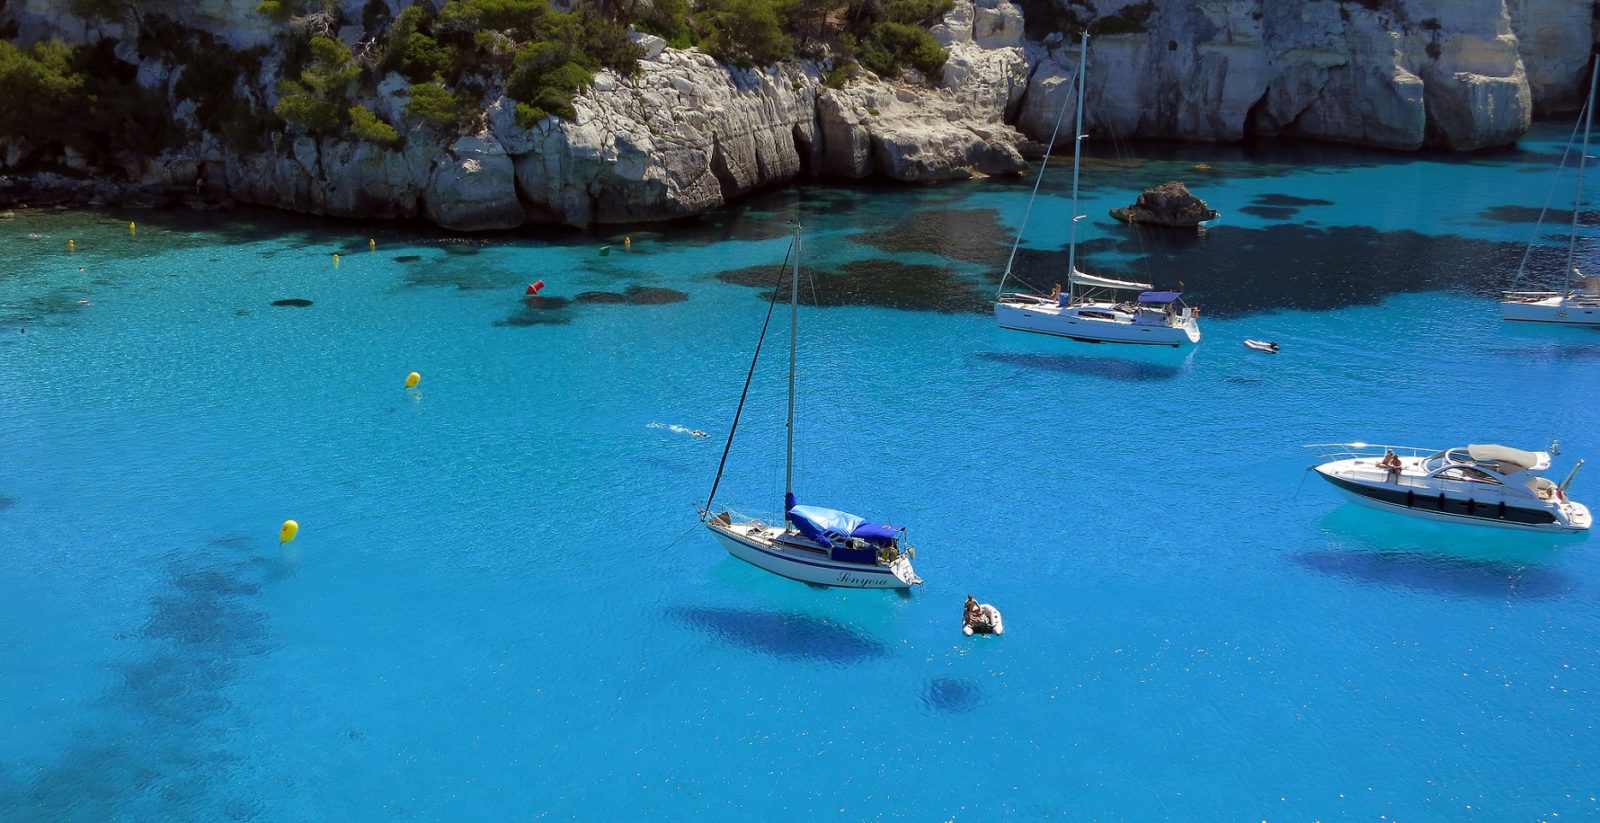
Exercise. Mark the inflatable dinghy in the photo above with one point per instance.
(1261, 345)
(986, 621)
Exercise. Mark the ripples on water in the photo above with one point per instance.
(490, 608)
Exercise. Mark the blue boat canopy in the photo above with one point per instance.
(1158, 296)
(833, 526)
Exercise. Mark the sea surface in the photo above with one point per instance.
(500, 604)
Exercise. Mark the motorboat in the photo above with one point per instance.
(1577, 301)
(1481, 484)
(1093, 309)
(812, 543)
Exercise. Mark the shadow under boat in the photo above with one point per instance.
(1130, 365)
(1444, 574)
(783, 634)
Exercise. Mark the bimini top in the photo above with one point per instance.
(1159, 296)
(1511, 460)
(1080, 279)
(833, 526)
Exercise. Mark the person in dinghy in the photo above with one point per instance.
(981, 618)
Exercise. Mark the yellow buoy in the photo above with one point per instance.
(627, 242)
(412, 380)
(372, 244)
(289, 530)
(132, 229)
(72, 246)
(336, 261)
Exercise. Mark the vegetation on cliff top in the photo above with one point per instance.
(87, 101)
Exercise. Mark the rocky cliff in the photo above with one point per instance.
(688, 134)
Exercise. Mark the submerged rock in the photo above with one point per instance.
(1169, 204)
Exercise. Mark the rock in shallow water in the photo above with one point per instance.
(1169, 204)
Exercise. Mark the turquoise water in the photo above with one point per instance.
(500, 603)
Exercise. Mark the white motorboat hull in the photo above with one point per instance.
(759, 548)
(1554, 309)
(1479, 507)
(1084, 323)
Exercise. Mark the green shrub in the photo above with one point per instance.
(333, 68)
(246, 130)
(421, 58)
(307, 109)
(367, 126)
(39, 84)
(917, 12)
(743, 32)
(278, 11)
(669, 20)
(838, 76)
(889, 47)
(529, 116)
(606, 44)
(520, 18)
(432, 103)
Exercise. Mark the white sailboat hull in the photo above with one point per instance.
(760, 547)
(1553, 309)
(1097, 323)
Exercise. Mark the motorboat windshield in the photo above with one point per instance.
(1501, 460)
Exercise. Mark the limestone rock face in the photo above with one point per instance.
(1399, 74)
(1554, 38)
(1169, 204)
(473, 187)
(955, 130)
(684, 137)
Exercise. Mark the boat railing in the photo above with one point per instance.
(1349, 451)
(746, 514)
(1024, 297)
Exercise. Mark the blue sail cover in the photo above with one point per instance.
(1158, 296)
(833, 526)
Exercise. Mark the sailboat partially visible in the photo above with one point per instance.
(814, 544)
(1094, 309)
(1577, 303)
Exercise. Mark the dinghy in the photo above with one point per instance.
(985, 619)
(1261, 345)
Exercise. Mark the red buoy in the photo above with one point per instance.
(533, 288)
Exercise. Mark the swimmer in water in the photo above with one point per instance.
(698, 433)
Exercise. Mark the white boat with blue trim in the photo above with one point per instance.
(814, 544)
(1480, 484)
(1093, 309)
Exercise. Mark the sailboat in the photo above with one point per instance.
(814, 544)
(1578, 301)
(1094, 309)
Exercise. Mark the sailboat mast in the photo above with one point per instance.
(794, 337)
(1077, 161)
(1577, 198)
